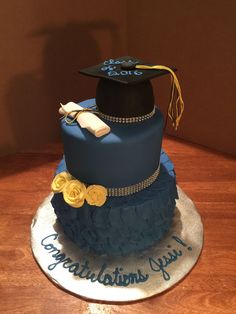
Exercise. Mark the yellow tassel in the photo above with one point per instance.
(174, 111)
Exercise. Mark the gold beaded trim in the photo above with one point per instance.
(127, 120)
(128, 190)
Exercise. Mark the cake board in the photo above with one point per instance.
(118, 279)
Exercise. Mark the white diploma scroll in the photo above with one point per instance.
(86, 119)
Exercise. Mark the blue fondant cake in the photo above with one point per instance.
(129, 154)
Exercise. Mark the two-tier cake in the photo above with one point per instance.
(115, 194)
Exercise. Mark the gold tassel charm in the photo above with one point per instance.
(175, 110)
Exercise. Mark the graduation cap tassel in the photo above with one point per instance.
(176, 110)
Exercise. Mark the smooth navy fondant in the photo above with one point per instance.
(123, 225)
(129, 154)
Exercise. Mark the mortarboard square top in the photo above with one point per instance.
(124, 89)
(122, 70)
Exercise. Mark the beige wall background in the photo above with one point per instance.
(44, 43)
(199, 38)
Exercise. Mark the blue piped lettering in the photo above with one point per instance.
(111, 70)
(83, 270)
(160, 264)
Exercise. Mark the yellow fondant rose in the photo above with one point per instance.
(96, 195)
(74, 193)
(60, 181)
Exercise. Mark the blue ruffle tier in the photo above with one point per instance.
(123, 225)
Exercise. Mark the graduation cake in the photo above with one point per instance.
(115, 188)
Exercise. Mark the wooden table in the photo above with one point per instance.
(207, 177)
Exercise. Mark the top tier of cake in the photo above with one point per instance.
(129, 154)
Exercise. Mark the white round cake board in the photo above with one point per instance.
(118, 279)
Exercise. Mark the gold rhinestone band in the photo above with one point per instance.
(127, 120)
(128, 190)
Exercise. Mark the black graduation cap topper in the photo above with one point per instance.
(124, 89)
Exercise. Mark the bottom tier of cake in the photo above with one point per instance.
(123, 225)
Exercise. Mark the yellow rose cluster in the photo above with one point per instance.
(75, 192)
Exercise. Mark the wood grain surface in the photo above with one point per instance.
(207, 177)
